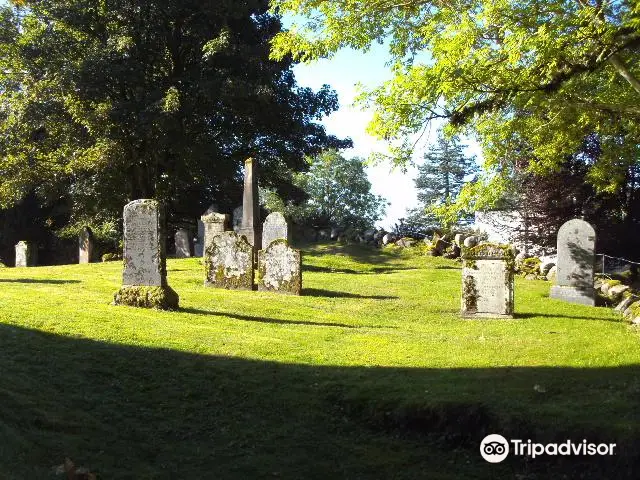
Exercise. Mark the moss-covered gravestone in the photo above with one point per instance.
(487, 281)
(228, 262)
(280, 268)
(144, 279)
(26, 254)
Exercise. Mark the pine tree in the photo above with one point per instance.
(439, 180)
(443, 173)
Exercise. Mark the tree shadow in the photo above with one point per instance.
(131, 412)
(447, 267)
(581, 277)
(37, 280)
(248, 318)
(368, 271)
(319, 292)
(576, 317)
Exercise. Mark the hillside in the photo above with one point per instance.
(370, 374)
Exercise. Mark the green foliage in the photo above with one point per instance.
(339, 193)
(531, 79)
(105, 102)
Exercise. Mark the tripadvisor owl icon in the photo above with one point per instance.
(494, 448)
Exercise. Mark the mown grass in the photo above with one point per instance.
(370, 374)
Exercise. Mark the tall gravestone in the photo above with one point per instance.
(280, 268)
(183, 243)
(144, 279)
(214, 224)
(85, 245)
(228, 262)
(574, 268)
(487, 281)
(26, 254)
(275, 227)
(250, 225)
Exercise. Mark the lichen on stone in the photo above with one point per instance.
(280, 268)
(229, 262)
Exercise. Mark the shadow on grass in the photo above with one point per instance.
(575, 317)
(247, 318)
(319, 292)
(360, 253)
(367, 271)
(447, 267)
(37, 280)
(129, 412)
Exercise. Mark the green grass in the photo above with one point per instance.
(370, 374)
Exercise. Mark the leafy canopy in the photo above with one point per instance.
(338, 194)
(106, 101)
(532, 78)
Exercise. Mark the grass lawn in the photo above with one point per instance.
(370, 374)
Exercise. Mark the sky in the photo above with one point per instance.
(343, 72)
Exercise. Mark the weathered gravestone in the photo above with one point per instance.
(275, 227)
(228, 262)
(214, 224)
(144, 279)
(576, 257)
(250, 225)
(85, 245)
(184, 243)
(26, 254)
(487, 281)
(280, 269)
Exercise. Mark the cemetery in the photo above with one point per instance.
(212, 267)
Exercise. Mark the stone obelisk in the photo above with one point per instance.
(250, 226)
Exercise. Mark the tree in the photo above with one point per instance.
(537, 76)
(104, 102)
(339, 194)
(439, 181)
(445, 168)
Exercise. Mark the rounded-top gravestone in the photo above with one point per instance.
(575, 265)
(275, 227)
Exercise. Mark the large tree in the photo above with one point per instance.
(338, 194)
(537, 76)
(104, 101)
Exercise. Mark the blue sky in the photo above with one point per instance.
(343, 72)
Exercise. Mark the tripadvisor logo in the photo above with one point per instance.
(495, 448)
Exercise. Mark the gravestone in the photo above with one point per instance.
(198, 245)
(26, 254)
(275, 227)
(280, 268)
(250, 225)
(487, 281)
(214, 224)
(85, 245)
(144, 279)
(228, 262)
(184, 243)
(574, 268)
